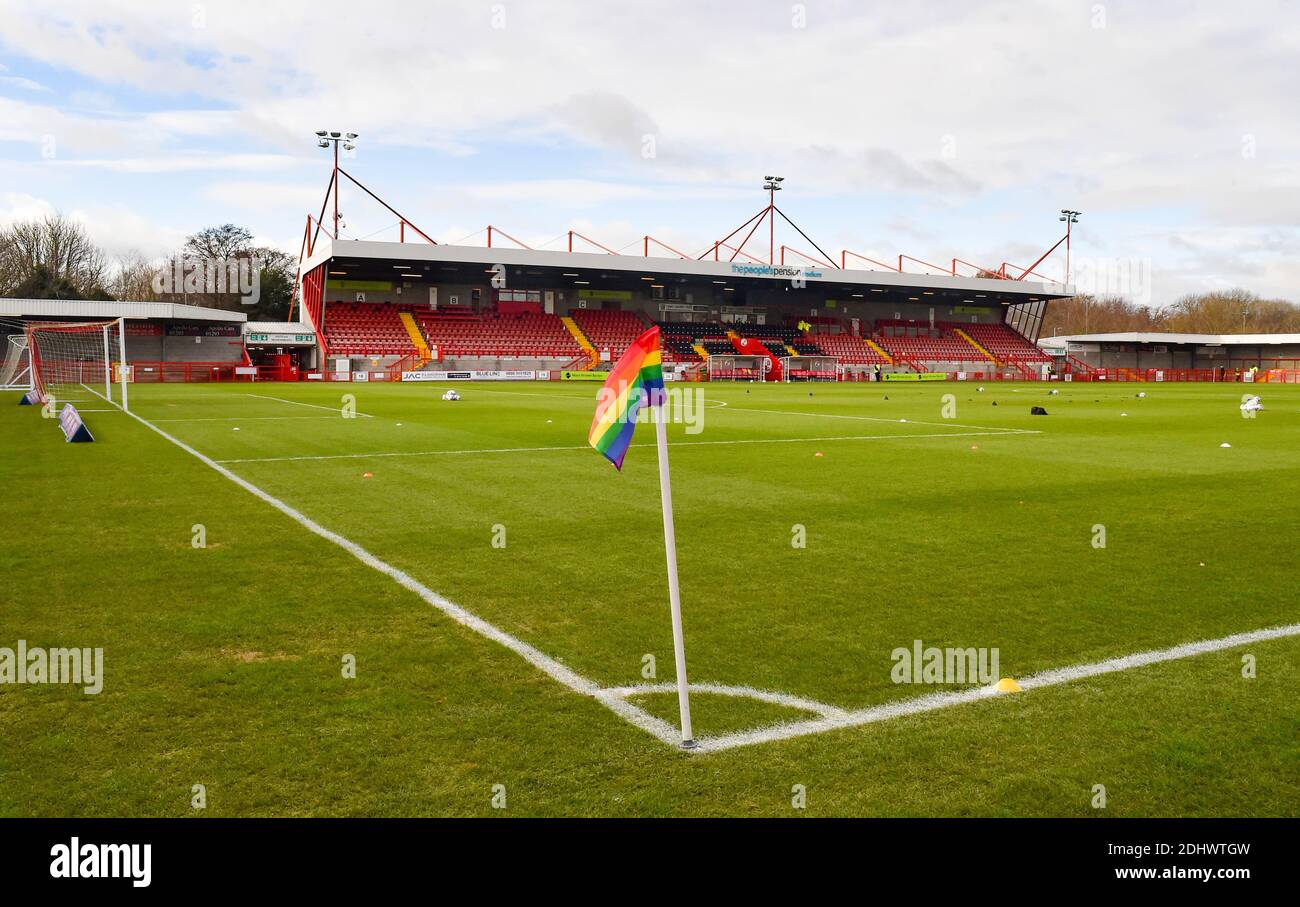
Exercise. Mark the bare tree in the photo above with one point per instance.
(228, 249)
(1220, 312)
(1098, 315)
(135, 278)
(52, 256)
(1231, 312)
(219, 243)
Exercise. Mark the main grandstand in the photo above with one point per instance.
(415, 309)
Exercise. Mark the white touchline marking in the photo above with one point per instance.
(331, 409)
(244, 418)
(943, 700)
(615, 698)
(506, 450)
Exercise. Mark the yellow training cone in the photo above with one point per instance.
(1008, 685)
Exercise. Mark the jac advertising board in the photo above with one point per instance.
(518, 375)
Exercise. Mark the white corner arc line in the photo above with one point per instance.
(773, 697)
(1035, 681)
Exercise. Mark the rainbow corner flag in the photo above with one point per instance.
(636, 381)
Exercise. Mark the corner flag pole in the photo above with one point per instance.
(674, 594)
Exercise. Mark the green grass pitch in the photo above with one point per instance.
(223, 663)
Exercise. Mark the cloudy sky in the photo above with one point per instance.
(935, 128)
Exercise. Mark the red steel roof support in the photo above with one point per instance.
(940, 268)
(587, 239)
(846, 253)
(650, 239)
(507, 236)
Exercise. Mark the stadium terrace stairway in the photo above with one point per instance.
(366, 329)
(850, 350)
(926, 347)
(878, 349)
(1075, 364)
(1004, 343)
(413, 330)
(593, 357)
(983, 352)
(524, 336)
(609, 330)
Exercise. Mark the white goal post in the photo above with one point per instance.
(16, 366)
(67, 359)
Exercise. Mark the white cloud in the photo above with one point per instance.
(257, 196)
(24, 84)
(1158, 117)
(182, 163)
(116, 229)
(120, 230)
(19, 206)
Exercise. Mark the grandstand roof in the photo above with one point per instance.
(1172, 338)
(377, 257)
(110, 308)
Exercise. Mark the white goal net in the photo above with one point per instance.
(16, 364)
(76, 362)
